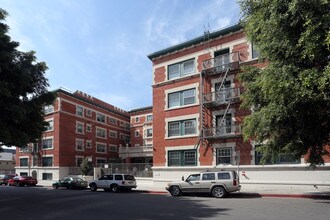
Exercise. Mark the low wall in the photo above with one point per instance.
(297, 174)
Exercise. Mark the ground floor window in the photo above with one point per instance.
(224, 155)
(47, 176)
(23, 174)
(276, 158)
(182, 158)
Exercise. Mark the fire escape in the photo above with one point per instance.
(218, 94)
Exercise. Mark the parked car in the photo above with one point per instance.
(219, 184)
(4, 180)
(71, 183)
(24, 181)
(114, 182)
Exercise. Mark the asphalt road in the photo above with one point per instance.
(46, 203)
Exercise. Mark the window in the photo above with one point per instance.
(118, 177)
(100, 117)
(137, 119)
(48, 109)
(181, 69)
(50, 126)
(79, 127)
(89, 144)
(47, 143)
(79, 144)
(88, 112)
(79, 110)
(79, 161)
(101, 133)
(149, 117)
(255, 52)
(47, 176)
(182, 158)
(137, 133)
(224, 156)
(208, 176)
(276, 158)
(113, 148)
(223, 176)
(88, 128)
(149, 132)
(127, 126)
(181, 128)
(101, 161)
(113, 134)
(47, 161)
(113, 121)
(23, 162)
(101, 148)
(182, 98)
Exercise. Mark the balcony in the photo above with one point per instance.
(141, 151)
(224, 131)
(220, 64)
(222, 97)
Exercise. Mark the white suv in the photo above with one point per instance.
(114, 182)
(219, 184)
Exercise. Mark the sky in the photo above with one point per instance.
(100, 47)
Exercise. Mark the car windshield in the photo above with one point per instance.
(78, 179)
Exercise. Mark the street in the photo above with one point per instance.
(47, 203)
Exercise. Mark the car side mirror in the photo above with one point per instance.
(182, 178)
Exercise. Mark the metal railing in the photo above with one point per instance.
(222, 62)
(224, 131)
(222, 96)
(135, 169)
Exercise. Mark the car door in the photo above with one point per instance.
(103, 182)
(65, 182)
(208, 179)
(191, 184)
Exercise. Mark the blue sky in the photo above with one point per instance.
(100, 47)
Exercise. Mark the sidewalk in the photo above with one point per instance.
(261, 190)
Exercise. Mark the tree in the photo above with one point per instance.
(86, 167)
(23, 92)
(290, 98)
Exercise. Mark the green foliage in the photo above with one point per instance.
(23, 92)
(86, 167)
(290, 98)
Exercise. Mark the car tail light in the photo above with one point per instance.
(234, 182)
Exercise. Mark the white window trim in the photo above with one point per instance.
(23, 157)
(48, 120)
(105, 117)
(113, 145)
(45, 138)
(48, 155)
(105, 144)
(89, 110)
(91, 142)
(82, 123)
(179, 89)
(182, 118)
(112, 131)
(82, 113)
(105, 136)
(83, 144)
(224, 145)
(89, 125)
(187, 147)
(181, 68)
(137, 133)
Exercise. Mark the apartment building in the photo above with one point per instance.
(140, 149)
(196, 107)
(80, 126)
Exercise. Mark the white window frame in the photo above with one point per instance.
(89, 142)
(146, 136)
(137, 133)
(82, 129)
(52, 143)
(113, 148)
(99, 116)
(100, 129)
(113, 132)
(148, 117)
(50, 127)
(80, 110)
(182, 119)
(97, 145)
(47, 156)
(78, 141)
(112, 120)
(137, 119)
(89, 112)
(79, 157)
(48, 109)
(24, 157)
(179, 90)
(180, 66)
(89, 128)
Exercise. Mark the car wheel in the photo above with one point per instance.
(93, 187)
(175, 191)
(55, 187)
(114, 188)
(219, 192)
